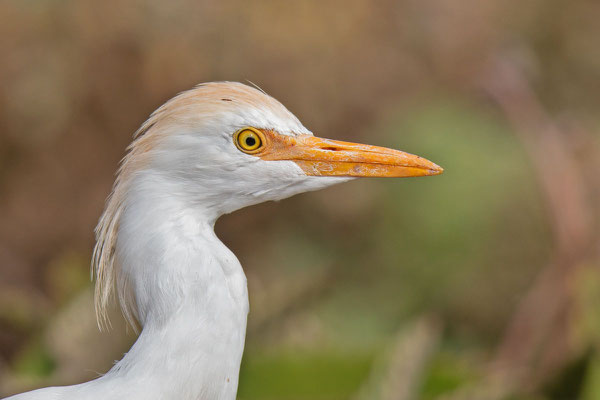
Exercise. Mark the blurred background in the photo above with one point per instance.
(482, 283)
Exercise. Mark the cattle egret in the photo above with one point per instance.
(208, 151)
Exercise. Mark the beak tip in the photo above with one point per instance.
(435, 169)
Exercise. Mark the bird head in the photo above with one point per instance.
(223, 146)
(227, 146)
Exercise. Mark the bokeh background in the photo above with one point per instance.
(482, 283)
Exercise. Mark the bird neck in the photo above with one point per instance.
(192, 302)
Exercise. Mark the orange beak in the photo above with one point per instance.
(325, 157)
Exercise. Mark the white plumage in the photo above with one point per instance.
(157, 248)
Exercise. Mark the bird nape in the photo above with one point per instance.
(208, 151)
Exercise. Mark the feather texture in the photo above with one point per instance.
(204, 102)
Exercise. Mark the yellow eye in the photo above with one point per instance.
(249, 140)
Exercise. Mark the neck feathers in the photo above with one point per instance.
(185, 288)
(105, 269)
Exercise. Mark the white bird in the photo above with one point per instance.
(208, 151)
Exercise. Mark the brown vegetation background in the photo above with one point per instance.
(483, 283)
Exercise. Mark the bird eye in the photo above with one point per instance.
(249, 140)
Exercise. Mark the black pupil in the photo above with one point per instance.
(250, 141)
